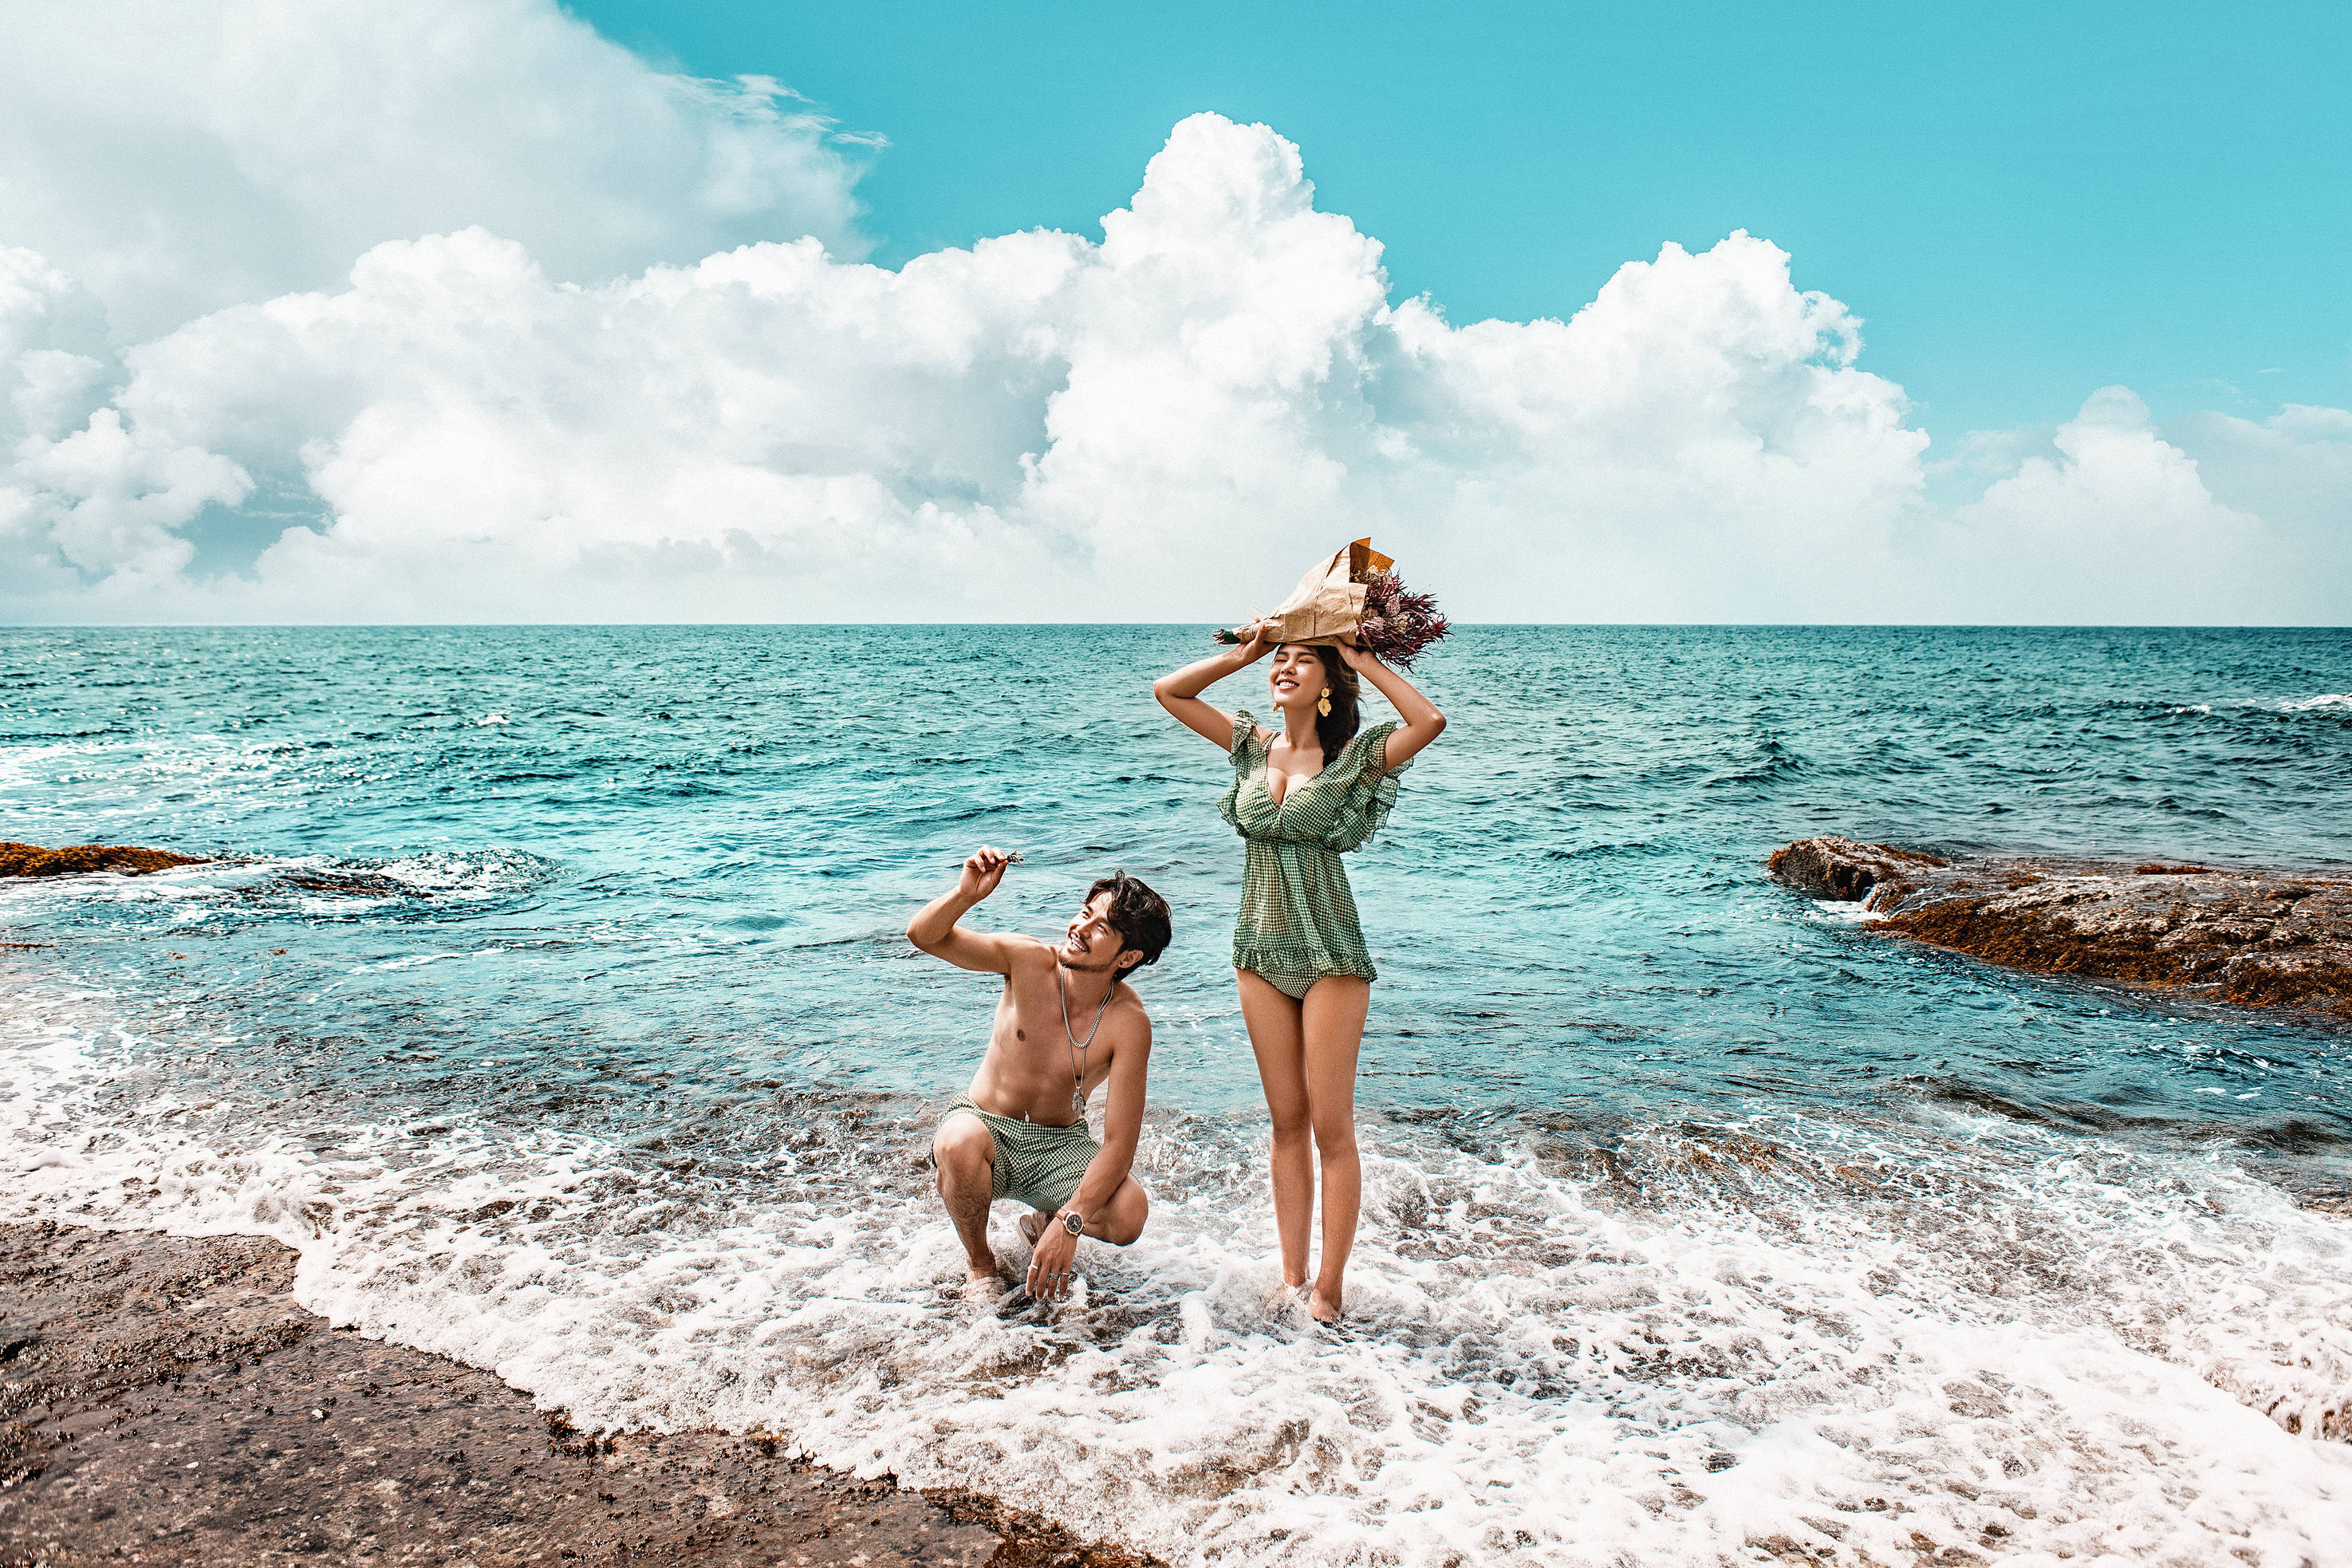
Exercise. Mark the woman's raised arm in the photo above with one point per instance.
(1179, 692)
(1421, 721)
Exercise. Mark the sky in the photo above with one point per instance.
(495, 310)
(2024, 202)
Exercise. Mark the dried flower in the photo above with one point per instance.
(1399, 626)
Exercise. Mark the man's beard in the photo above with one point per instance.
(1087, 968)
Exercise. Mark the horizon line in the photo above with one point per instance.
(1205, 625)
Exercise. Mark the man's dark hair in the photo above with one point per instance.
(1136, 913)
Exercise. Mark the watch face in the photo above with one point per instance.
(1074, 1225)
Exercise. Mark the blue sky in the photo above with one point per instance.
(460, 310)
(2024, 202)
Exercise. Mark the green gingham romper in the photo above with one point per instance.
(1298, 918)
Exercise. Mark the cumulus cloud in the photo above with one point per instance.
(175, 158)
(2294, 472)
(1039, 427)
(2116, 515)
(1164, 425)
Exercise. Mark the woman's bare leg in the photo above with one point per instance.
(1331, 1024)
(1273, 1020)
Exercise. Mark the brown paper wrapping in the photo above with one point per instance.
(1328, 605)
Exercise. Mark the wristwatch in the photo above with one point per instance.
(1073, 1222)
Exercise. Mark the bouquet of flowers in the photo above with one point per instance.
(1357, 598)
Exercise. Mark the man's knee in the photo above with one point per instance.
(1122, 1222)
(962, 1147)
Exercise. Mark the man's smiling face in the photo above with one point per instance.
(1093, 947)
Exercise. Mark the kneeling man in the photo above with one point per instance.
(1067, 1024)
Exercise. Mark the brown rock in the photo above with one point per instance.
(32, 860)
(163, 1400)
(2256, 939)
(1847, 871)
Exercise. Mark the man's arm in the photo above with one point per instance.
(1122, 1121)
(1049, 1265)
(935, 929)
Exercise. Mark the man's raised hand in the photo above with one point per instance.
(935, 929)
(983, 872)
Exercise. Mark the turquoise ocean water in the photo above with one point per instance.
(553, 997)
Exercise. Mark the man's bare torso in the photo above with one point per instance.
(1027, 1072)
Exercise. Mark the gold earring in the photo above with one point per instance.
(1323, 703)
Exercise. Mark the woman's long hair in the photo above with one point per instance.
(1338, 727)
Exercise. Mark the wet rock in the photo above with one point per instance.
(2256, 939)
(32, 860)
(1846, 870)
(168, 1403)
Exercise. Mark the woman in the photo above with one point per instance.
(1302, 795)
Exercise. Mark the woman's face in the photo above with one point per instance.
(1297, 676)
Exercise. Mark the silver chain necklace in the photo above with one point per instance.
(1079, 1047)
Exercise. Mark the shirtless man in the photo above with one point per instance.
(1067, 1024)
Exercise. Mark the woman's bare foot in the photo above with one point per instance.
(1321, 1307)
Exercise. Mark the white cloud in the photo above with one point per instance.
(2294, 472)
(2213, 520)
(1036, 428)
(175, 158)
(1162, 426)
(2117, 517)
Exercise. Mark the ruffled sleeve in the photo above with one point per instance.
(1247, 753)
(1244, 747)
(1367, 787)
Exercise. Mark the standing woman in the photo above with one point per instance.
(1302, 795)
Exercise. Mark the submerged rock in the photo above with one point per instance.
(32, 860)
(2258, 939)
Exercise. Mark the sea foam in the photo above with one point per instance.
(1859, 1340)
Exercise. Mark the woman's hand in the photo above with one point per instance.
(1420, 721)
(1179, 694)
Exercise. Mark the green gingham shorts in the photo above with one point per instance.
(1034, 1165)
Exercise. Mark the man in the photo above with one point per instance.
(1067, 1024)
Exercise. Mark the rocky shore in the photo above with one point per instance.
(132, 860)
(163, 1400)
(79, 859)
(2255, 938)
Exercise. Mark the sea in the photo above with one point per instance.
(550, 992)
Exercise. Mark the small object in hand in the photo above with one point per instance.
(1013, 859)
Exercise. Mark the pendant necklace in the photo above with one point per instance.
(1079, 1047)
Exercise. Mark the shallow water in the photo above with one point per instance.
(559, 1008)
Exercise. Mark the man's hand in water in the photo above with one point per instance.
(981, 873)
(1050, 1265)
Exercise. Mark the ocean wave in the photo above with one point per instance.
(1854, 1339)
